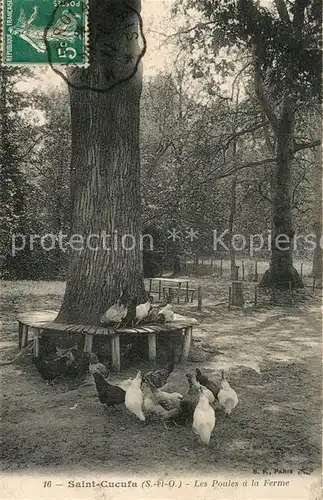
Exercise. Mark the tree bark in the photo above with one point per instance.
(105, 171)
(281, 272)
(317, 269)
(231, 225)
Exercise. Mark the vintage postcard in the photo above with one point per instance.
(161, 249)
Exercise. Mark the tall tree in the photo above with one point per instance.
(317, 270)
(105, 165)
(282, 43)
(13, 186)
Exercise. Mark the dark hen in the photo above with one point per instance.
(96, 366)
(159, 376)
(131, 313)
(184, 414)
(50, 369)
(110, 395)
(80, 365)
(203, 380)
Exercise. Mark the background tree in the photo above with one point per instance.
(15, 188)
(281, 43)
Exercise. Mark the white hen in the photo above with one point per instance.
(203, 419)
(227, 396)
(151, 406)
(167, 313)
(168, 400)
(134, 399)
(142, 310)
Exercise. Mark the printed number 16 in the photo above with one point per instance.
(47, 484)
(64, 51)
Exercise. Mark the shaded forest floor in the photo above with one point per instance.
(272, 357)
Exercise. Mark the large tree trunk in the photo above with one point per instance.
(105, 169)
(281, 271)
(231, 225)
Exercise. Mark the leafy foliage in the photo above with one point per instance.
(288, 47)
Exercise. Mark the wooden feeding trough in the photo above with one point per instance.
(42, 323)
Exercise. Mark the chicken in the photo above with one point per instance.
(227, 396)
(115, 314)
(167, 400)
(134, 399)
(142, 310)
(203, 418)
(152, 316)
(95, 366)
(165, 314)
(190, 400)
(125, 384)
(159, 376)
(50, 369)
(203, 380)
(80, 364)
(152, 406)
(61, 352)
(185, 319)
(110, 395)
(206, 391)
(188, 404)
(131, 313)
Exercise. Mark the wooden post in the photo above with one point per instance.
(159, 289)
(237, 273)
(185, 264)
(211, 262)
(24, 336)
(36, 342)
(242, 265)
(19, 333)
(221, 267)
(115, 352)
(150, 286)
(237, 294)
(202, 261)
(230, 297)
(199, 298)
(179, 289)
(152, 349)
(256, 295)
(301, 268)
(290, 292)
(314, 282)
(187, 298)
(274, 293)
(186, 343)
(256, 271)
(88, 342)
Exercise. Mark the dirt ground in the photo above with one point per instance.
(272, 357)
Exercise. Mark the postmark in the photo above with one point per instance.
(34, 31)
(116, 46)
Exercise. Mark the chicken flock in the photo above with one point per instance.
(147, 394)
(127, 312)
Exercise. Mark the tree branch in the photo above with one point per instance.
(251, 164)
(263, 101)
(263, 195)
(29, 150)
(307, 145)
(282, 10)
